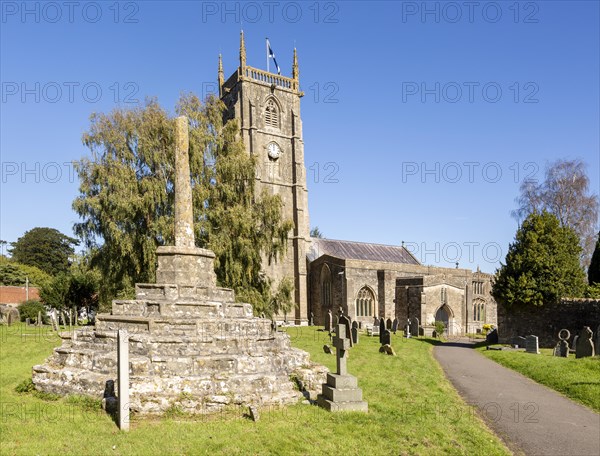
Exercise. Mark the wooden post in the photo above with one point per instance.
(123, 375)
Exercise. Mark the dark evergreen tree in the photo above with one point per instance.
(542, 265)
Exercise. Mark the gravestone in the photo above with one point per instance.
(395, 325)
(253, 412)
(329, 321)
(376, 322)
(311, 322)
(407, 331)
(598, 340)
(341, 392)
(39, 319)
(518, 341)
(27, 322)
(562, 347)
(388, 324)
(414, 327)
(123, 376)
(584, 347)
(354, 332)
(492, 337)
(387, 338)
(381, 330)
(531, 345)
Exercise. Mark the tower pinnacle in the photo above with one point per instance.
(295, 72)
(221, 75)
(242, 50)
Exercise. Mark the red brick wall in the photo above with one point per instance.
(17, 295)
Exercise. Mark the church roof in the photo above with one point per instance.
(351, 250)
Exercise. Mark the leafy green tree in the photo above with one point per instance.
(542, 265)
(55, 294)
(29, 309)
(45, 248)
(564, 192)
(594, 269)
(126, 199)
(15, 274)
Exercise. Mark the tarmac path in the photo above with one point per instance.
(529, 417)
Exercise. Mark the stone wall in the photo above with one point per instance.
(546, 321)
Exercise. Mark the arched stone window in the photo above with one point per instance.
(272, 114)
(478, 310)
(365, 303)
(325, 287)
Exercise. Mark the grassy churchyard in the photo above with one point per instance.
(413, 409)
(578, 379)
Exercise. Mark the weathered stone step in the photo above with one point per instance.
(181, 309)
(173, 292)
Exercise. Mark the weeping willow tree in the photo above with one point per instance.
(126, 200)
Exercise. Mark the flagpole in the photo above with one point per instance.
(267, 44)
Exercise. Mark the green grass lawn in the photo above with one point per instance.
(578, 379)
(412, 410)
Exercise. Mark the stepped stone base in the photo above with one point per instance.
(190, 346)
(341, 393)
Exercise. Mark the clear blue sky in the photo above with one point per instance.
(371, 72)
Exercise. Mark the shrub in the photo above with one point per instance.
(439, 328)
(29, 309)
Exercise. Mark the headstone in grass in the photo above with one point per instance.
(329, 321)
(376, 322)
(407, 330)
(562, 347)
(518, 341)
(492, 337)
(584, 347)
(341, 392)
(395, 325)
(531, 345)
(388, 324)
(355, 332)
(386, 338)
(414, 327)
(381, 330)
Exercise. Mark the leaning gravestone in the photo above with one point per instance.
(376, 322)
(341, 392)
(355, 332)
(187, 335)
(518, 341)
(492, 337)
(531, 345)
(414, 327)
(562, 347)
(584, 347)
(381, 330)
(395, 325)
(388, 324)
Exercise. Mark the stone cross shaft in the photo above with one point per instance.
(341, 343)
(184, 220)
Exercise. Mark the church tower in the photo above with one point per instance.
(267, 107)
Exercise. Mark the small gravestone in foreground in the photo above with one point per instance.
(531, 345)
(354, 332)
(341, 392)
(518, 341)
(407, 330)
(584, 347)
(395, 325)
(562, 347)
(388, 324)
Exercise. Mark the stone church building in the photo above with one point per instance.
(366, 280)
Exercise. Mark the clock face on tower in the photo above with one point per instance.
(274, 151)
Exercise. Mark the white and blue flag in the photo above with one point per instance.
(271, 55)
